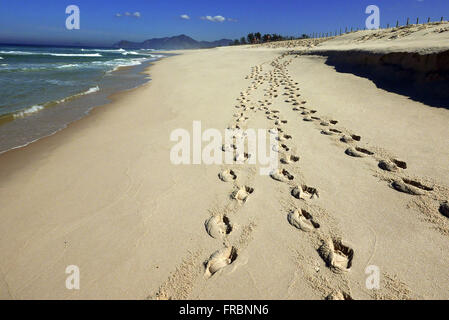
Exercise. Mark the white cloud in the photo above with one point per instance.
(128, 14)
(184, 16)
(214, 19)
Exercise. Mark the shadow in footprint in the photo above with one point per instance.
(302, 220)
(281, 175)
(218, 226)
(444, 209)
(227, 175)
(242, 194)
(410, 187)
(337, 255)
(220, 259)
(305, 192)
(289, 159)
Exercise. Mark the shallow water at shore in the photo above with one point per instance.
(49, 107)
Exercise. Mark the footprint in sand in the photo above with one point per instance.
(337, 256)
(227, 175)
(392, 165)
(334, 122)
(348, 139)
(284, 137)
(358, 152)
(399, 163)
(339, 295)
(410, 186)
(327, 132)
(220, 259)
(275, 130)
(278, 148)
(444, 209)
(242, 157)
(364, 151)
(388, 166)
(281, 175)
(279, 122)
(302, 220)
(304, 192)
(289, 158)
(218, 226)
(242, 194)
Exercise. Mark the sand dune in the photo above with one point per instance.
(362, 182)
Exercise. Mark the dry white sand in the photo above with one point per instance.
(103, 194)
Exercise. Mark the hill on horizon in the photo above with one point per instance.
(172, 43)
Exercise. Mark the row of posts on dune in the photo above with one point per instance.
(352, 29)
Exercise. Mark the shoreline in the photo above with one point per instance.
(87, 101)
(103, 194)
(90, 112)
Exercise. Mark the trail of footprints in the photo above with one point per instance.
(393, 170)
(337, 255)
(280, 85)
(335, 252)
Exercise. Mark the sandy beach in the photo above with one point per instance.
(362, 182)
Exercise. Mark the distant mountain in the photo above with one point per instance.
(171, 43)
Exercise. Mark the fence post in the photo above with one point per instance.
(417, 20)
(388, 26)
(428, 20)
(397, 23)
(408, 20)
(441, 19)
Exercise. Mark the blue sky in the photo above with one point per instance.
(43, 21)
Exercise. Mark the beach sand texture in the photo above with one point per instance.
(363, 183)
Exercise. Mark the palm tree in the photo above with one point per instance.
(243, 40)
(258, 36)
(276, 37)
(266, 38)
(251, 38)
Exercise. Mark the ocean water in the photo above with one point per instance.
(42, 89)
